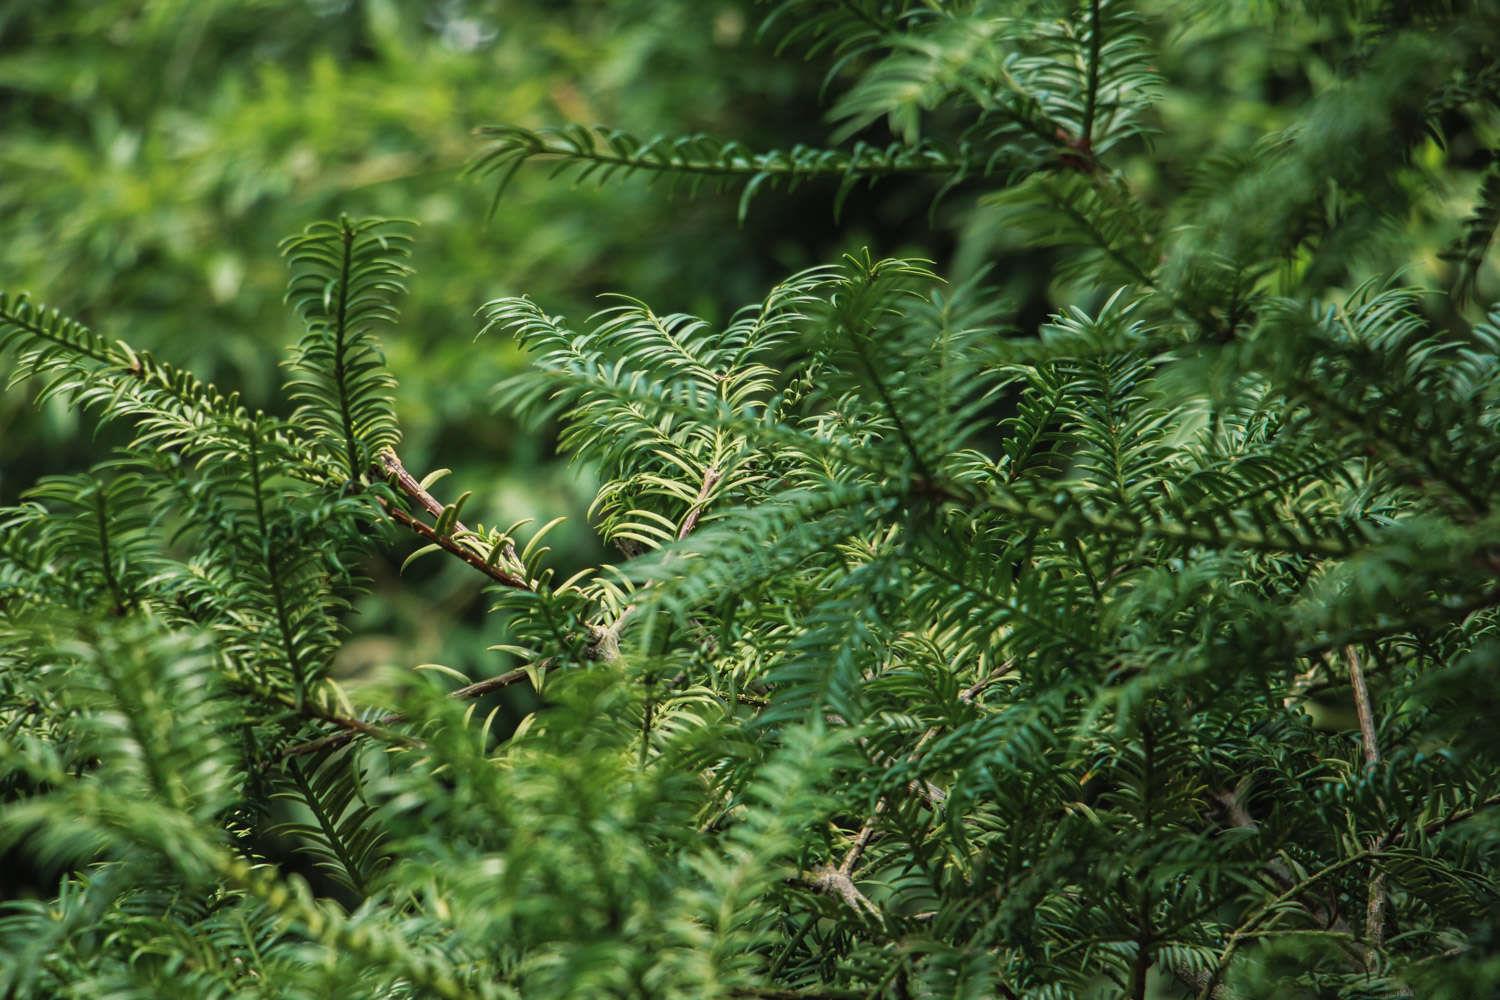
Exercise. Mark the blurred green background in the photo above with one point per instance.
(154, 152)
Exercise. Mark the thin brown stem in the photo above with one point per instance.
(1363, 708)
(1375, 899)
(350, 729)
(867, 829)
(711, 477)
(480, 688)
(448, 544)
(390, 464)
(866, 834)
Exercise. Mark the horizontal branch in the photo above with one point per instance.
(351, 728)
(704, 155)
(601, 153)
(1062, 509)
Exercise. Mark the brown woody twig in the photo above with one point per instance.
(1375, 900)
(448, 544)
(840, 881)
(603, 642)
(390, 464)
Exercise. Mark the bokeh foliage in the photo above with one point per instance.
(155, 154)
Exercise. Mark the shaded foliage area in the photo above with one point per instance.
(157, 153)
(1132, 652)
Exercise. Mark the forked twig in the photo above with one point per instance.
(840, 881)
(603, 640)
(390, 464)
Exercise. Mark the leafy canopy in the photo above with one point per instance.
(1137, 655)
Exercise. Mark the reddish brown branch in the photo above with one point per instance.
(484, 687)
(711, 477)
(390, 464)
(448, 544)
(349, 729)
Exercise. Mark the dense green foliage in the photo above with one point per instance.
(157, 151)
(1146, 650)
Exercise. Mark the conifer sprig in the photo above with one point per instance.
(345, 278)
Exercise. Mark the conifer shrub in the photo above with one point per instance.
(1149, 653)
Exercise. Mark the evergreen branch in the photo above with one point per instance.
(1268, 910)
(1396, 836)
(867, 828)
(1146, 934)
(448, 543)
(919, 463)
(340, 358)
(1091, 84)
(1064, 509)
(345, 277)
(1437, 614)
(705, 155)
(490, 684)
(603, 639)
(1395, 441)
(390, 464)
(122, 601)
(846, 29)
(271, 555)
(858, 494)
(173, 409)
(26, 323)
(337, 933)
(352, 727)
(602, 153)
(1250, 926)
(328, 828)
